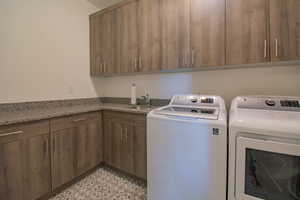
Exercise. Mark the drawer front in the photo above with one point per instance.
(69, 122)
(25, 130)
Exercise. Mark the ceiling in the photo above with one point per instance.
(103, 3)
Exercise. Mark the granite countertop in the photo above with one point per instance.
(14, 117)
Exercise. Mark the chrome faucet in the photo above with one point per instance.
(147, 99)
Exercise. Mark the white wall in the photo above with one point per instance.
(226, 83)
(44, 50)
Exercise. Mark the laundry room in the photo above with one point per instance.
(150, 99)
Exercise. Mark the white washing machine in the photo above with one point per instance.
(264, 148)
(187, 149)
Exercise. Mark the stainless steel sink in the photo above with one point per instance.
(138, 107)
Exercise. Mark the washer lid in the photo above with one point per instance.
(189, 111)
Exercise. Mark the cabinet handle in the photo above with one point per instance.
(104, 66)
(136, 64)
(188, 60)
(97, 67)
(132, 64)
(193, 57)
(184, 59)
(46, 147)
(276, 47)
(265, 48)
(53, 144)
(121, 135)
(126, 135)
(12, 133)
(79, 120)
(140, 63)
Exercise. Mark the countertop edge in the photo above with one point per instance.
(110, 107)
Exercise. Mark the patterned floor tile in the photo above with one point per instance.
(105, 184)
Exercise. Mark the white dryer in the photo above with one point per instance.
(264, 148)
(187, 149)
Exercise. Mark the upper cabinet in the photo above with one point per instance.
(193, 33)
(247, 31)
(163, 35)
(207, 33)
(175, 43)
(106, 44)
(102, 44)
(285, 29)
(262, 31)
(150, 37)
(94, 46)
(126, 37)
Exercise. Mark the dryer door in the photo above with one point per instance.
(267, 170)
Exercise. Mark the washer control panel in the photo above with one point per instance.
(195, 100)
(270, 103)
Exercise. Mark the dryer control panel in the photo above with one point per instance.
(270, 103)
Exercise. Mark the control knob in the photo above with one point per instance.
(270, 102)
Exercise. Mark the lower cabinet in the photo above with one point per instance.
(125, 142)
(76, 146)
(36, 164)
(63, 169)
(37, 158)
(88, 145)
(24, 161)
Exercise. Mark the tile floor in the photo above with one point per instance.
(105, 184)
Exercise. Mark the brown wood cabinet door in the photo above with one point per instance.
(140, 150)
(247, 31)
(175, 33)
(126, 37)
(80, 149)
(95, 143)
(113, 137)
(36, 165)
(150, 26)
(63, 166)
(11, 173)
(125, 142)
(107, 44)
(107, 133)
(207, 33)
(117, 141)
(134, 158)
(87, 145)
(127, 163)
(285, 30)
(92, 46)
(95, 45)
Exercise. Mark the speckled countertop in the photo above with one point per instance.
(28, 115)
